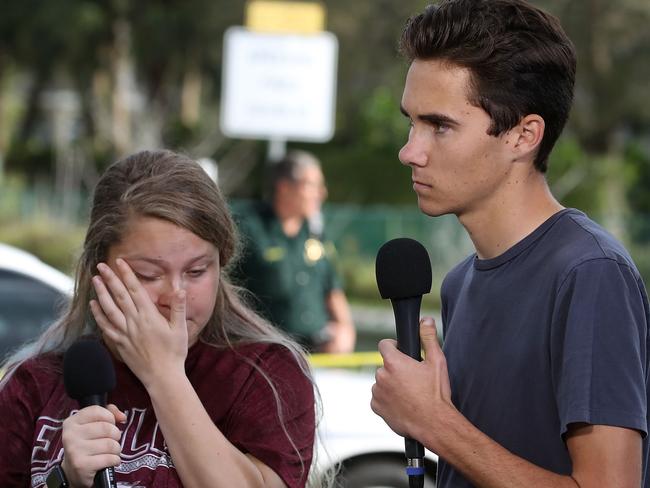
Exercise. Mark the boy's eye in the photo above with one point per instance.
(440, 128)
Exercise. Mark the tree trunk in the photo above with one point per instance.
(3, 134)
(615, 206)
(191, 94)
(122, 87)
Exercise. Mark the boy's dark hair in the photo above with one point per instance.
(520, 59)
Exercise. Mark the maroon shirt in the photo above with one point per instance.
(236, 396)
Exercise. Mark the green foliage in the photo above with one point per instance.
(358, 275)
(11, 188)
(32, 158)
(586, 181)
(26, 225)
(55, 243)
(638, 159)
(365, 166)
(638, 195)
(574, 177)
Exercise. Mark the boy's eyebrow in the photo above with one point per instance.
(432, 118)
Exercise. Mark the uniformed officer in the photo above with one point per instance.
(287, 264)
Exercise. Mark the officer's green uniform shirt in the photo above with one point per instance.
(289, 276)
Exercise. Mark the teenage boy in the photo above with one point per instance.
(543, 377)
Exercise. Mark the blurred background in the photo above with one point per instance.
(84, 82)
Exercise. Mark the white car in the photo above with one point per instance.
(31, 293)
(351, 438)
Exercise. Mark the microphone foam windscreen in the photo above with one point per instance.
(87, 369)
(403, 269)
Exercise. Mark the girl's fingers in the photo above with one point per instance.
(108, 328)
(120, 295)
(87, 415)
(91, 441)
(101, 461)
(94, 450)
(137, 293)
(108, 307)
(120, 417)
(178, 315)
(101, 430)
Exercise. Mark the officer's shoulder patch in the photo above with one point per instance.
(274, 253)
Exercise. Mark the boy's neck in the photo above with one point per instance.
(510, 215)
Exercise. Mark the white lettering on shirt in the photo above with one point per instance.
(142, 445)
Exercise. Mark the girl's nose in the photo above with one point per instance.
(170, 286)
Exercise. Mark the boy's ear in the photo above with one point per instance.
(527, 135)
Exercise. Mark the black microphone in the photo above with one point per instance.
(403, 272)
(88, 376)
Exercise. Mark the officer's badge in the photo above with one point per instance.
(314, 250)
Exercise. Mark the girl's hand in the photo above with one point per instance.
(91, 441)
(150, 344)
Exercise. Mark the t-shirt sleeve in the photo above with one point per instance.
(282, 438)
(599, 347)
(17, 402)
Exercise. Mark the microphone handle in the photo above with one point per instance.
(407, 324)
(95, 399)
(105, 478)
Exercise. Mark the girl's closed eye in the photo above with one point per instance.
(197, 272)
(146, 276)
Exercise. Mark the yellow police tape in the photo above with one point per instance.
(352, 360)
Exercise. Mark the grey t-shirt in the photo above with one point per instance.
(552, 332)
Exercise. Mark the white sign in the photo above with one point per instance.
(279, 86)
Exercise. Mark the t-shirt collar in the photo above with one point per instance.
(522, 245)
